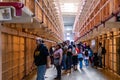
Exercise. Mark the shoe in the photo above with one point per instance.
(76, 69)
(64, 72)
(57, 78)
(99, 68)
(46, 77)
(69, 71)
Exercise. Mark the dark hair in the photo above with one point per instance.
(74, 46)
(88, 47)
(86, 53)
(100, 44)
(72, 43)
(42, 41)
(64, 43)
(59, 45)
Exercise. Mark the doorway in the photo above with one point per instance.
(118, 54)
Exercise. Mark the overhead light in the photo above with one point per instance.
(68, 34)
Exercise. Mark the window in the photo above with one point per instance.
(68, 38)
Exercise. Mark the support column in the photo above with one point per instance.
(0, 54)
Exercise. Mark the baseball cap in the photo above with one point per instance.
(38, 39)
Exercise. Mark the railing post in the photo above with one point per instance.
(0, 54)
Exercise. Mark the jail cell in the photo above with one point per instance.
(12, 57)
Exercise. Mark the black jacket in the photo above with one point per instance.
(40, 55)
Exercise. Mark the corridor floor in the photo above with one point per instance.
(84, 74)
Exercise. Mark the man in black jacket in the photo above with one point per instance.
(41, 59)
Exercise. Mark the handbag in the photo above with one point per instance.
(56, 61)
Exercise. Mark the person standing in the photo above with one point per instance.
(90, 53)
(41, 59)
(58, 60)
(86, 58)
(80, 56)
(51, 51)
(65, 49)
(69, 58)
(100, 55)
(75, 57)
(95, 60)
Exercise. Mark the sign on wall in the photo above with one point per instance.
(5, 14)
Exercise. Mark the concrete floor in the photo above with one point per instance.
(85, 74)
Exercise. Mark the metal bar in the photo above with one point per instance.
(0, 53)
(15, 32)
(46, 14)
(91, 11)
(98, 11)
(52, 16)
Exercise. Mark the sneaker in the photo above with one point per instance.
(64, 72)
(69, 71)
(99, 68)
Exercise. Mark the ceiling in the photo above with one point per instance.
(73, 11)
(69, 9)
(68, 20)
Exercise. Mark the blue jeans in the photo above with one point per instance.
(86, 62)
(81, 64)
(64, 61)
(41, 72)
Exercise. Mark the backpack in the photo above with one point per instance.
(103, 50)
(90, 52)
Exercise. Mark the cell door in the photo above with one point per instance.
(118, 54)
(107, 53)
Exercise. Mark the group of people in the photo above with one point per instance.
(64, 56)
